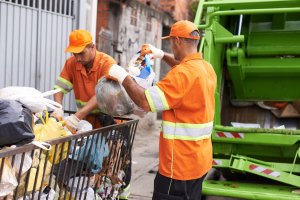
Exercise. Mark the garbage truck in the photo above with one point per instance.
(254, 47)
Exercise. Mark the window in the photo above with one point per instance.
(133, 18)
(149, 23)
(64, 7)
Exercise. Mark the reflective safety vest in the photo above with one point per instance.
(186, 97)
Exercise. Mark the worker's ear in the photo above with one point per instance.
(177, 41)
(92, 46)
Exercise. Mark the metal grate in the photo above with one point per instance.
(64, 7)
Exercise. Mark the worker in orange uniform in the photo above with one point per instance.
(81, 73)
(186, 97)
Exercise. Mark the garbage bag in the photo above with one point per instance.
(8, 180)
(16, 123)
(48, 130)
(112, 98)
(92, 153)
(30, 97)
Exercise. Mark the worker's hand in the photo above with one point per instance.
(157, 53)
(72, 122)
(117, 72)
(58, 114)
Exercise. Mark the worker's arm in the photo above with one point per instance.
(136, 93)
(158, 53)
(170, 60)
(58, 97)
(91, 105)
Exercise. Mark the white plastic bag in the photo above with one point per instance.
(84, 126)
(142, 71)
(27, 162)
(8, 180)
(30, 97)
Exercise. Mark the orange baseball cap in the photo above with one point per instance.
(183, 29)
(78, 39)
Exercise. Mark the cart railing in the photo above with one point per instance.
(81, 166)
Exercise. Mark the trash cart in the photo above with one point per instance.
(88, 165)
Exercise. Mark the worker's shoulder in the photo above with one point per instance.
(71, 61)
(102, 57)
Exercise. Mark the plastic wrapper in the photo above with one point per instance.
(84, 126)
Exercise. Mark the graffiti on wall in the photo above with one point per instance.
(132, 36)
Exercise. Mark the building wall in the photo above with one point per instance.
(179, 9)
(123, 27)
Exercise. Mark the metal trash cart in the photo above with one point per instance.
(89, 165)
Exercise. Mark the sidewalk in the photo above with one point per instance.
(144, 160)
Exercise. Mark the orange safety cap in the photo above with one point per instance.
(78, 40)
(183, 29)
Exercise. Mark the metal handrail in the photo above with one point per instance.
(246, 12)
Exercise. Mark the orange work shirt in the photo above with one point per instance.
(74, 76)
(186, 97)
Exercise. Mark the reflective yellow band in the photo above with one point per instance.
(64, 84)
(65, 81)
(81, 104)
(156, 99)
(185, 131)
(61, 89)
(125, 193)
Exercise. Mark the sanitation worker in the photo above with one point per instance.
(81, 74)
(186, 97)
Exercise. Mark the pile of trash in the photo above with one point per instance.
(24, 119)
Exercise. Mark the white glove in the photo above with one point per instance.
(157, 53)
(118, 72)
(58, 113)
(72, 122)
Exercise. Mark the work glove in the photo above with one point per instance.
(157, 53)
(58, 114)
(72, 122)
(118, 73)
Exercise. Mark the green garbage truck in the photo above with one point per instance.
(254, 47)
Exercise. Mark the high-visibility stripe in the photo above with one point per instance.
(65, 81)
(64, 84)
(185, 131)
(61, 89)
(125, 193)
(81, 104)
(156, 99)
